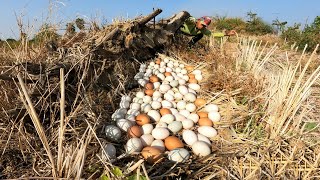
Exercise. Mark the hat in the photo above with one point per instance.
(205, 20)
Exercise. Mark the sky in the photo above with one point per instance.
(36, 12)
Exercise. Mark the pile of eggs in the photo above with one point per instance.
(163, 118)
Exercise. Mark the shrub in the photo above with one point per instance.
(224, 23)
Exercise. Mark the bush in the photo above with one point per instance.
(223, 23)
(259, 27)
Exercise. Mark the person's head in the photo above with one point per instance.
(203, 22)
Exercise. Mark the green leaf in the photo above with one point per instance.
(104, 177)
(134, 177)
(117, 171)
(310, 126)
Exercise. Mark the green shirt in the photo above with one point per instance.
(189, 27)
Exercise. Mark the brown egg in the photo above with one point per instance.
(167, 74)
(158, 61)
(200, 102)
(191, 76)
(153, 79)
(142, 119)
(152, 154)
(149, 86)
(205, 122)
(193, 81)
(149, 92)
(164, 111)
(135, 131)
(189, 68)
(172, 142)
(202, 114)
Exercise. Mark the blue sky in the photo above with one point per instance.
(36, 12)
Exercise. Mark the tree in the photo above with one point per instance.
(80, 23)
(280, 25)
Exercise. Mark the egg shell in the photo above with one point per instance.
(156, 105)
(147, 99)
(179, 117)
(146, 139)
(202, 114)
(124, 124)
(164, 88)
(113, 133)
(191, 107)
(153, 79)
(140, 94)
(191, 76)
(189, 68)
(179, 155)
(149, 92)
(193, 81)
(152, 155)
(194, 86)
(194, 117)
(214, 116)
(162, 70)
(205, 122)
(172, 142)
(169, 78)
(189, 137)
(166, 60)
(197, 71)
(135, 131)
(190, 97)
(156, 94)
(184, 71)
(170, 91)
(181, 66)
(174, 111)
(154, 115)
(152, 63)
(198, 77)
(207, 131)
(135, 106)
(168, 97)
(162, 124)
(183, 90)
(149, 86)
(167, 118)
(175, 126)
(142, 119)
(176, 64)
(187, 124)
(204, 139)
(211, 107)
(160, 133)
(169, 68)
(134, 145)
(147, 128)
(159, 144)
(167, 74)
(125, 98)
(201, 149)
(161, 76)
(181, 105)
(125, 104)
(174, 83)
(182, 82)
(166, 104)
(164, 111)
(109, 151)
(184, 112)
(200, 102)
(178, 96)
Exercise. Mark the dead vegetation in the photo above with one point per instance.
(56, 104)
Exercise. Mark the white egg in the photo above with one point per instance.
(204, 139)
(154, 115)
(211, 107)
(134, 145)
(124, 124)
(170, 91)
(162, 70)
(134, 112)
(165, 82)
(181, 66)
(179, 117)
(125, 98)
(162, 64)
(167, 118)
(175, 126)
(185, 77)
(156, 66)
(182, 82)
(169, 68)
(146, 139)
(201, 149)
(168, 96)
(162, 124)
(180, 75)
(160, 133)
(190, 97)
(140, 94)
(169, 78)
(159, 144)
(125, 104)
(194, 117)
(207, 131)
(179, 155)
(181, 105)
(109, 151)
(135, 106)
(147, 99)
(214, 116)
(198, 77)
(164, 88)
(156, 85)
(146, 108)
(187, 124)
(166, 60)
(174, 104)
(121, 111)
(113, 133)
(155, 105)
(194, 86)
(174, 111)
(152, 63)
(192, 91)
(184, 112)
(149, 71)
(178, 96)
(131, 118)
(174, 83)
(191, 107)
(197, 71)
(183, 90)
(189, 137)
(178, 69)
(156, 94)
(155, 72)
(161, 76)
(166, 104)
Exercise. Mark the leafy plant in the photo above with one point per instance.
(80, 23)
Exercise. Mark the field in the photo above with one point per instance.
(57, 102)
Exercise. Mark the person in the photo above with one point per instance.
(198, 28)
